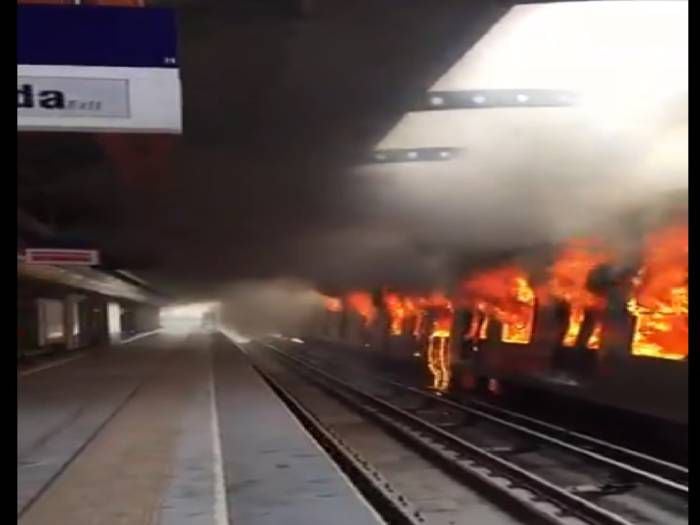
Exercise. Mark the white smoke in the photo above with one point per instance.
(539, 175)
(275, 306)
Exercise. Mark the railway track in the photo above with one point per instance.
(628, 464)
(637, 464)
(535, 469)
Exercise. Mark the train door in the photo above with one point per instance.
(576, 353)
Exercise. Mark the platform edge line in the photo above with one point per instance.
(220, 503)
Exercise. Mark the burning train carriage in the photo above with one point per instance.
(596, 330)
(609, 374)
(356, 318)
(588, 326)
(333, 319)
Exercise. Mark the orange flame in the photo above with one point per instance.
(363, 304)
(437, 300)
(479, 323)
(417, 308)
(483, 330)
(504, 294)
(418, 326)
(402, 309)
(474, 325)
(438, 361)
(439, 341)
(660, 298)
(568, 276)
(442, 325)
(397, 310)
(414, 313)
(594, 340)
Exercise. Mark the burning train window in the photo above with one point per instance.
(576, 318)
(484, 328)
(503, 294)
(568, 278)
(659, 299)
(594, 339)
(518, 323)
(478, 326)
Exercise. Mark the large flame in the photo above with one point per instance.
(405, 309)
(483, 330)
(414, 314)
(439, 341)
(479, 323)
(659, 300)
(418, 325)
(438, 361)
(432, 314)
(567, 282)
(595, 338)
(363, 304)
(396, 308)
(435, 302)
(504, 294)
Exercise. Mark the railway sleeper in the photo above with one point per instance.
(604, 489)
(513, 450)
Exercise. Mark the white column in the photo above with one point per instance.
(72, 321)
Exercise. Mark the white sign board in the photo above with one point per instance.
(80, 98)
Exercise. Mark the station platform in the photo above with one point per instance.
(170, 429)
(38, 361)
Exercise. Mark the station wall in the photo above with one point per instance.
(53, 317)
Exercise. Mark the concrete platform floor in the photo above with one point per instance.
(170, 430)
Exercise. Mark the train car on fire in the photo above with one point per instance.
(608, 334)
(612, 336)
(579, 320)
(615, 370)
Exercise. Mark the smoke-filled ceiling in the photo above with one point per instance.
(267, 181)
(561, 120)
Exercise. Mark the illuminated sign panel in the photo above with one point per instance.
(62, 257)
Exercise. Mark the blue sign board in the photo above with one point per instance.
(96, 36)
(98, 68)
